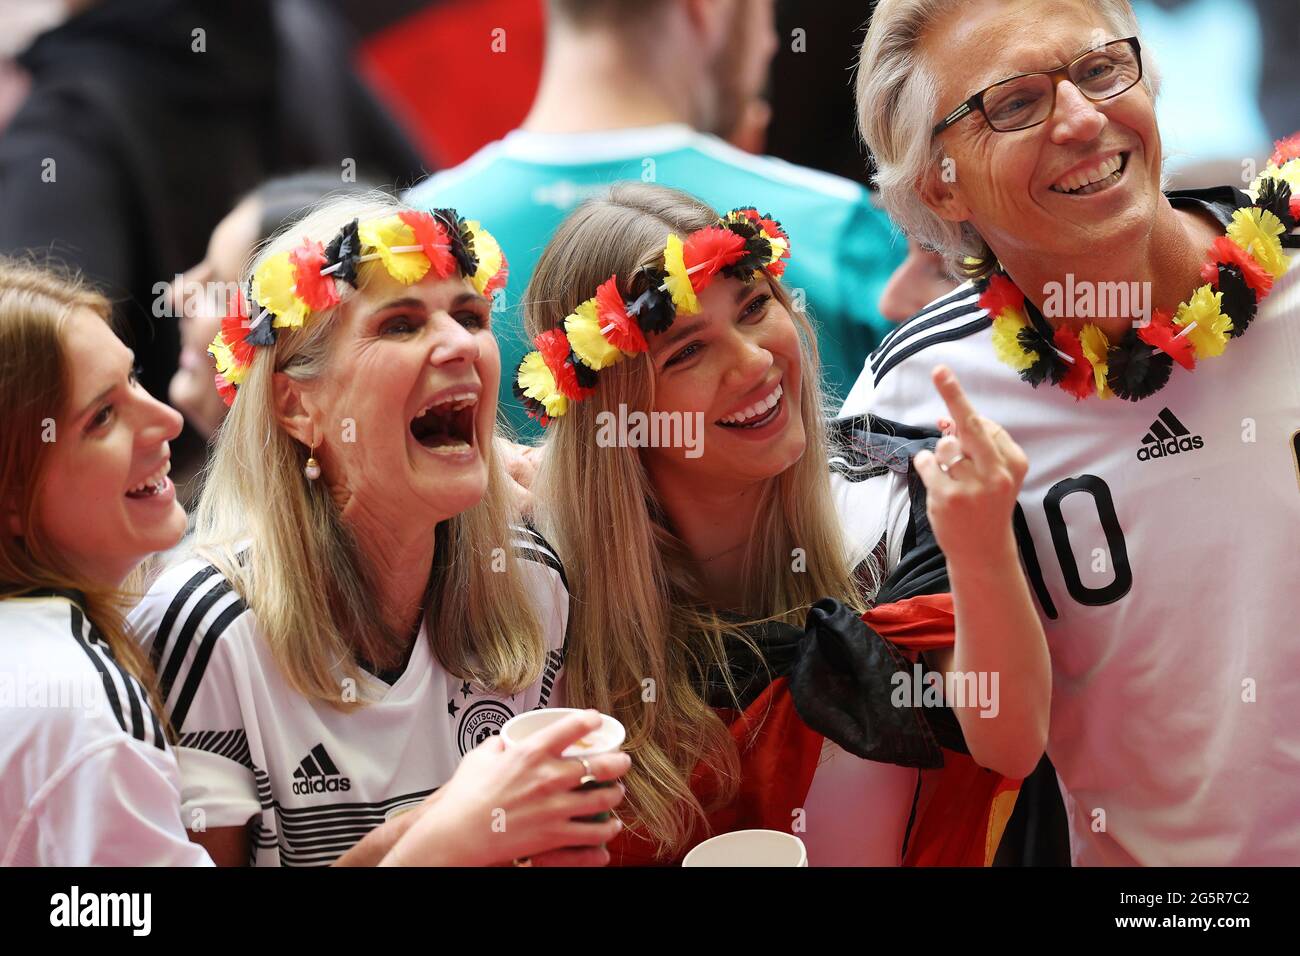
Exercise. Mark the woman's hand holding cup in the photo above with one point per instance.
(519, 801)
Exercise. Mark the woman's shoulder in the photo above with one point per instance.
(202, 641)
(190, 602)
(61, 683)
(545, 581)
(540, 561)
(29, 621)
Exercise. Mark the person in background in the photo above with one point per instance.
(644, 90)
(200, 300)
(919, 279)
(145, 120)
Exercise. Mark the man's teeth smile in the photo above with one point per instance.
(446, 427)
(153, 485)
(758, 414)
(1088, 181)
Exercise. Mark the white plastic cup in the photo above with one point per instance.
(749, 848)
(607, 738)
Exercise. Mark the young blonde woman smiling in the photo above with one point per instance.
(671, 552)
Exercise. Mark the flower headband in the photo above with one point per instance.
(287, 288)
(609, 327)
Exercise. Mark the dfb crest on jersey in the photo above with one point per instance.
(481, 720)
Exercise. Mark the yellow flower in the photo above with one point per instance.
(1288, 171)
(489, 256)
(1096, 349)
(537, 382)
(679, 283)
(1006, 345)
(1257, 231)
(583, 329)
(273, 290)
(779, 248)
(225, 361)
(381, 235)
(1212, 326)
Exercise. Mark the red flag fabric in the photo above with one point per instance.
(963, 807)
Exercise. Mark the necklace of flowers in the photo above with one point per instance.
(1239, 272)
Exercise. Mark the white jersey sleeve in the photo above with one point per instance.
(86, 775)
(895, 382)
(194, 628)
(549, 591)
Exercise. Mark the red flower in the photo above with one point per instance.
(611, 310)
(499, 280)
(316, 290)
(234, 331)
(1001, 295)
(433, 237)
(225, 390)
(714, 248)
(1227, 252)
(774, 229)
(1162, 334)
(1078, 380)
(1285, 150)
(556, 351)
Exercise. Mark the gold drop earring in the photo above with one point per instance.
(312, 468)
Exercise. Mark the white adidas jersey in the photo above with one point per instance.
(86, 775)
(312, 780)
(1160, 538)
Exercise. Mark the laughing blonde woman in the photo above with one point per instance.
(358, 609)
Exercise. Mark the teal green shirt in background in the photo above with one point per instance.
(843, 249)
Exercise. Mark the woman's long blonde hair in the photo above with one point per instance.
(35, 385)
(641, 631)
(304, 575)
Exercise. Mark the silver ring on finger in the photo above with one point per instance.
(946, 467)
(587, 775)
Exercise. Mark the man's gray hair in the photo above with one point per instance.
(897, 99)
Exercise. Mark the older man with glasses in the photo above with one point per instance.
(1144, 349)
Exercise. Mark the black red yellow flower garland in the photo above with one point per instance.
(1239, 273)
(288, 288)
(610, 326)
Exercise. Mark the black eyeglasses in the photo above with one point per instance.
(1027, 100)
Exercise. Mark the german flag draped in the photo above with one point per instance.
(961, 808)
(834, 680)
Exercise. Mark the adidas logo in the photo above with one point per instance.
(1168, 436)
(317, 774)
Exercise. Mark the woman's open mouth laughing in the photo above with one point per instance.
(156, 487)
(445, 427)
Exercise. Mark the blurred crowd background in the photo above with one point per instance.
(154, 143)
(131, 129)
